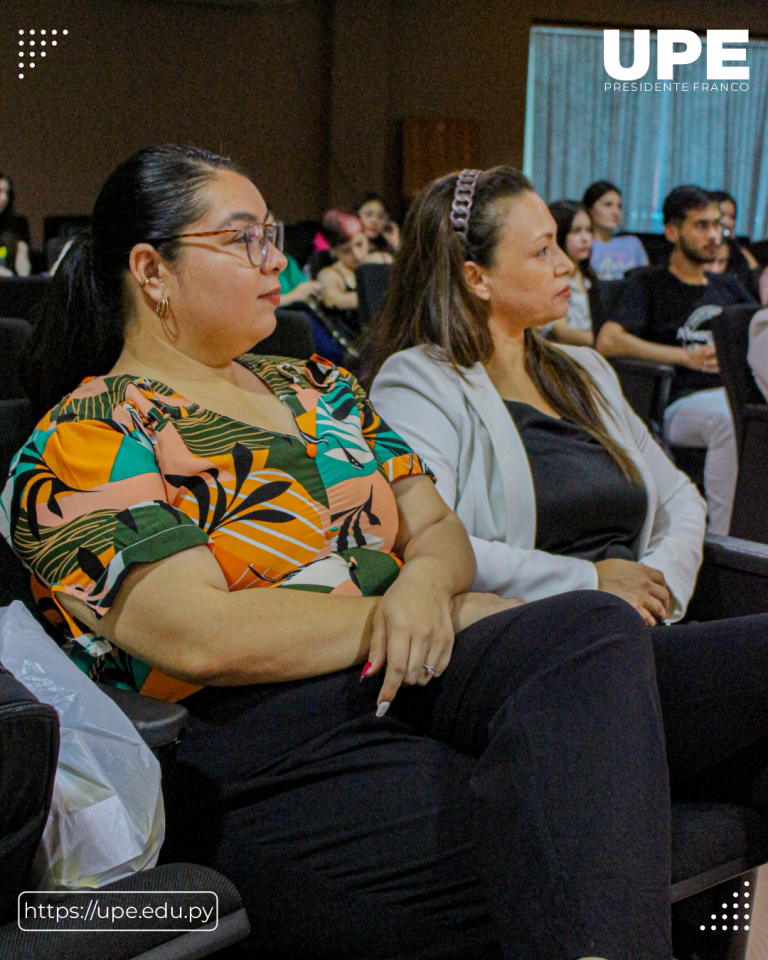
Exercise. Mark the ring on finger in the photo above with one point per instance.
(430, 670)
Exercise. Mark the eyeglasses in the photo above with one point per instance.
(256, 237)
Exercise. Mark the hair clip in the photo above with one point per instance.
(463, 196)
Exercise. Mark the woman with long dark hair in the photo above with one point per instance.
(557, 481)
(612, 255)
(586, 312)
(14, 249)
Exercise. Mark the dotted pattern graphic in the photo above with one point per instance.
(738, 911)
(34, 44)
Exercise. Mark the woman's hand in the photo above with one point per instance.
(643, 587)
(468, 608)
(412, 627)
(415, 624)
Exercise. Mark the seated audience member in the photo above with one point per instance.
(558, 482)
(209, 525)
(741, 261)
(574, 236)
(294, 286)
(611, 256)
(14, 251)
(758, 349)
(381, 230)
(348, 245)
(661, 316)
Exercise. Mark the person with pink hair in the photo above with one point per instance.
(348, 245)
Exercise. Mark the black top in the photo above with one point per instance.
(585, 506)
(658, 307)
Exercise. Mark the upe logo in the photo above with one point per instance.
(667, 57)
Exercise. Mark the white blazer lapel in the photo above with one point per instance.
(508, 449)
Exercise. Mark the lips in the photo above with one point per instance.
(565, 293)
(273, 296)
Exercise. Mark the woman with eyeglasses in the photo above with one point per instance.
(245, 534)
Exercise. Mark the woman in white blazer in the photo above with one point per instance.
(507, 422)
(458, 422)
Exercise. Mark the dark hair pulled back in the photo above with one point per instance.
(429, 302)
(158, 192)
(596, 190)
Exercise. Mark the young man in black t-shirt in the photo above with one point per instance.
(663, 315)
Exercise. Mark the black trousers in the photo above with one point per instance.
(519, 806)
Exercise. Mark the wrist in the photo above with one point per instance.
(432, 575)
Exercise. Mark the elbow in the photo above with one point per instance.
(609, 339)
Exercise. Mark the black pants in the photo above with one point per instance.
(521, 800)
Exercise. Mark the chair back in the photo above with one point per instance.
(731, 333)
(292, 336)
(64, 227)
(29, 748)
(372, 283)
(646, 385)
(20, 295)
(14, 334)
(611, 292)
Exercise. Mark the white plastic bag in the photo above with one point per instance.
(107, 819)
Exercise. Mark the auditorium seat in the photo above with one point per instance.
(750, 420)
(372, 282)
(20, 295)
(14, 334)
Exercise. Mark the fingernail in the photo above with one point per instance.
(364, 671)
(382, 708)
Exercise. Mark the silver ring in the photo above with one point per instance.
(430, 670)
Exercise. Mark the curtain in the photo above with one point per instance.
(646, 142)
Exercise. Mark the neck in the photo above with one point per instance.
(603, 233)
(686, 270)
(507, 365)
(150, 353)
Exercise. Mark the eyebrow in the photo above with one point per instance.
(238, 215)
(546, 233)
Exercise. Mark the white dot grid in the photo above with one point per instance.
(31, 53)
(735, 906)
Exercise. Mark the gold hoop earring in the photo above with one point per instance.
(163, 309)
(144, 282)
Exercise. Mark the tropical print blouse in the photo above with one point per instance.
(126, 471)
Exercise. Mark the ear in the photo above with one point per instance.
(672, 231)
(477, 280)
(145, 263)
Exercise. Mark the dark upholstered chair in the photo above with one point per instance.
(14, 335)
(750, 420)
(20, 295)
(292, 336)
(372, 282)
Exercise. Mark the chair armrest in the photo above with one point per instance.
(643, 365)
(730, 553)
(733, 580)
(159, 722)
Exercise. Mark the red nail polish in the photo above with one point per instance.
(365, 670)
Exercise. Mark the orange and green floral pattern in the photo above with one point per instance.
(126, 471)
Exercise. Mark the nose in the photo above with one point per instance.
(275, 261)
(563, 263)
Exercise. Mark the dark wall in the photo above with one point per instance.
(309, 97)
(253, 82)
(467, 58)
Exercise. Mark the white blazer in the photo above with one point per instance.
(469, 440)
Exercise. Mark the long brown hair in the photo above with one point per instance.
(429, 302)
